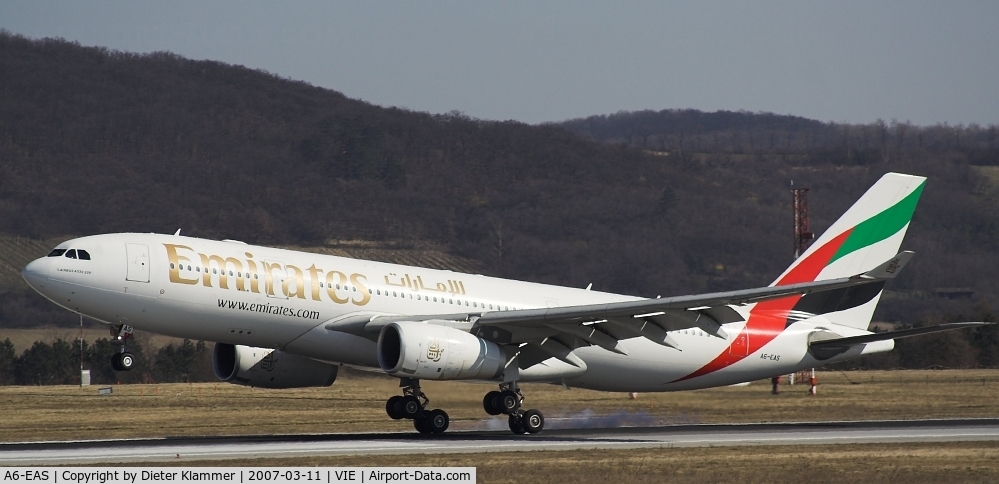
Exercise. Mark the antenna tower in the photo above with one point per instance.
(802, 234)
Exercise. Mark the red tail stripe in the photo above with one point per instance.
(767, 319)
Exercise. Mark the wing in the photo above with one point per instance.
(556, 332)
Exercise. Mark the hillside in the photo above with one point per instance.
(95, 141)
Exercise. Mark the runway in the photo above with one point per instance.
(276, 446)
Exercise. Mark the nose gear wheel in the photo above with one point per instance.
(122, 360)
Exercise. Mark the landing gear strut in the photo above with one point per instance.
(508, 400)
(122, 360)
(412, 405)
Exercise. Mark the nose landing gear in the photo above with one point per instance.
(508, 400)
(412, 405)
(122, 360)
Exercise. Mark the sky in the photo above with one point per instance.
(533, 61)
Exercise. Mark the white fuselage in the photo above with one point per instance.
(181, 286)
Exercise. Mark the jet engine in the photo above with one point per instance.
(429, 351)
(267, 368)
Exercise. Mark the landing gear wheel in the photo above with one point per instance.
(437, 421)
(392, 407)
(122, 360)
(516, 426)
(422, 424)
(410, 407)
(509, 402)
(532, 421)
(126, 361)
(489, 403)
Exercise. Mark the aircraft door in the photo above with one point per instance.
(137, 256)
(740, 345)
(274, 276)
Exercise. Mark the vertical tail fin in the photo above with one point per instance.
(868, 234)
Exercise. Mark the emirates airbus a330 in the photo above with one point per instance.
(286, 319)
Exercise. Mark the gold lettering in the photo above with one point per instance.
(314, 281)
(252, 268)
(356, 280)
(206, 278)
(331, 289)
(223, 265)
(269, 277)
(299, 279)
(175, 261)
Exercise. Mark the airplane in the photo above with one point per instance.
(288, 319)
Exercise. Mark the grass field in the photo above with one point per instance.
(356, 403)
(957, 462)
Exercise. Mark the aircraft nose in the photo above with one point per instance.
(35, 272)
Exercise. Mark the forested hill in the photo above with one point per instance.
(692, 131)
(95, 141)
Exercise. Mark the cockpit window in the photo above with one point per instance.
(82, 254)
(56, 252)
(71, 253)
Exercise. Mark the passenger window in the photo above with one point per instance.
(215, 271)
(435, 299)
(394, 294)
(56, 252)
(171, 265)
(490, 306)
(71, 253)
(83, 255)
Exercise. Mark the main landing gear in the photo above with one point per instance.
(508, 400)
(122, 360)
(412, 404)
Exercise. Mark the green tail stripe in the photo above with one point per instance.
(880, 226)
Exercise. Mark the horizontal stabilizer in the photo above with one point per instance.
(826, 348)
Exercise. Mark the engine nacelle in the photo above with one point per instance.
(267, 368)
(428, 351)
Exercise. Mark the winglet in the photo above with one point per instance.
(890, 268)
